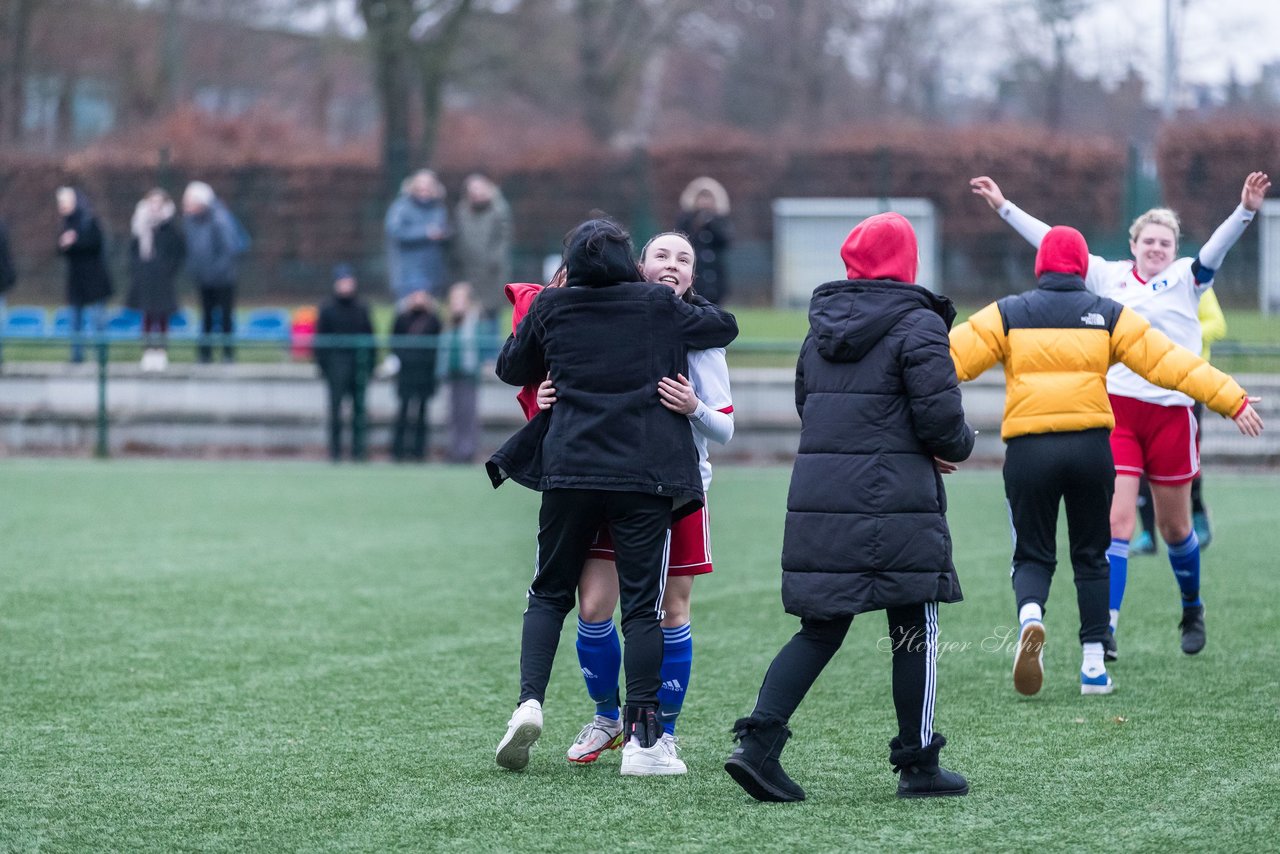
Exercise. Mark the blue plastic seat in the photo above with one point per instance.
(26, 321)
(181, 325)
(124, 323)
(265, 324)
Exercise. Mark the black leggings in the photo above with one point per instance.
(1041, 472)
(913, 640)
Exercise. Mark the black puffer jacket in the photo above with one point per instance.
(87, 278)
(878, 398)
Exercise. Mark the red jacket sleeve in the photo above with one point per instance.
(521, 295)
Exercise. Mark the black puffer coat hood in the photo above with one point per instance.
(876, 389)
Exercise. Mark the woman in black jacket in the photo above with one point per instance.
(866, 526)
(88, 282)
(607, 453)
(156, 255)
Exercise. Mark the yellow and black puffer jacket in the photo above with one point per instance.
(1057, 342)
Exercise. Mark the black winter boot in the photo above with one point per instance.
(754, 762)
(920, 774)
(641, 723)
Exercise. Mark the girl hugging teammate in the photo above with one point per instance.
(704, 398)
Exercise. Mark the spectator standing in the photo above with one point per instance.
(704, 206)
(460, 368)
(482, 242)
(214, 243)
(8, 275)
(417, 227)
(156, 254)
(88, 281)
(345, 364)
(419, 327)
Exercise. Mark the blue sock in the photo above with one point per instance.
(1184, 557)
(677, 662)
(600, 656)
(1118, 557)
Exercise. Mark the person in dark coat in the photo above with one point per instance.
(345, 365)
(8, 273)
(88, 281)
(214, 244)
(608, 452)
(156, 255)
(866, 527)
(417, 330)
(704, 217)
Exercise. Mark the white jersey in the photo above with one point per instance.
(1170, 301)
(709, 374)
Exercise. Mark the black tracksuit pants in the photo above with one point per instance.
(913, 640)
(1076, 469)
(567, 523)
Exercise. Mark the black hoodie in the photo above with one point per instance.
(878, 399)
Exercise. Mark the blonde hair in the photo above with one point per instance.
(1156, 216)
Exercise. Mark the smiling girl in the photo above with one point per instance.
(702, 397)
(1155, 430)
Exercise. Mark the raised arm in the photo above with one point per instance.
(1214, 251)
(1031, 229)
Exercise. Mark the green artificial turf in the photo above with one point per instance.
(209, 656)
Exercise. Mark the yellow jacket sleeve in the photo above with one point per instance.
(1150, 354)
(1213, 323)
(978, 343)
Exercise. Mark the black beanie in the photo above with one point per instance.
(598, 254)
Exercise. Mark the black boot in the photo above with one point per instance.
(921, 776)
(1192, 628)
(640, 723)
(754, 762)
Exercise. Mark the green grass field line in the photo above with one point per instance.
(230, 656)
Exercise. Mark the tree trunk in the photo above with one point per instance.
(388, 23)
(18, 16)
(433, 74)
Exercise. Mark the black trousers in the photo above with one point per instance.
(410, 438)
(342, 388)
(1040, 472)
(913, 640)
(222, 301)
(568, 521)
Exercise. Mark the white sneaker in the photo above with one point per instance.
(659, 760)
(596, 737)
(162, 360)
(522, 731)
(148, 360)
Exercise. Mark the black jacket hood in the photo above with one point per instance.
(847, 318)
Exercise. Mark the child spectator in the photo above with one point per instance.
(417, 330)
(345, 364)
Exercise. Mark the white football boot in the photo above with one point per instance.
(596, 737)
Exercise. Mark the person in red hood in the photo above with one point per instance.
(866, 527)
(1057, 343)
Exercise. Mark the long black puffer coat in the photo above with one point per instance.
(866, 523)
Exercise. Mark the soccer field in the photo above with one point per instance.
(278, 657)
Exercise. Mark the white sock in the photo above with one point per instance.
(1115, 619)
(1030, 611)
(1093, 659)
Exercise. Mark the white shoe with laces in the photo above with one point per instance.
(523, 730)
(596, 737)
(659, 760)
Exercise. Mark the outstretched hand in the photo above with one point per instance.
(944, 466)
(677, 395)
(1255, 190)
(989, 190)
(1249, 421)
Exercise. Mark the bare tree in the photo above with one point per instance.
(15, 30)
(411, 43)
